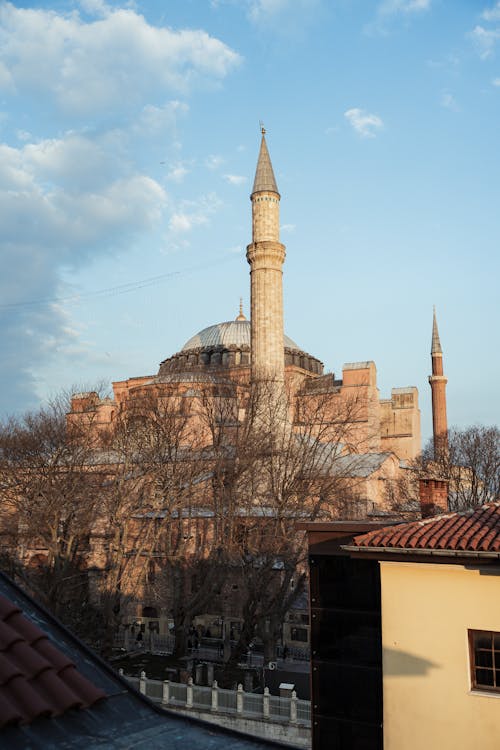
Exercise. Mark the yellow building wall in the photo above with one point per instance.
(426, 612)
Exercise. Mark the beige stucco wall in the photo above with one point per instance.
(426, 611)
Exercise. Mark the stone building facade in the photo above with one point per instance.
(235, 355)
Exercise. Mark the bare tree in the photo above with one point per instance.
(269, 473)
(471, 466)
(49, 495)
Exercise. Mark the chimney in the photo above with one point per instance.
(433, 495)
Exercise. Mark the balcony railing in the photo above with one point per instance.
(215, 700)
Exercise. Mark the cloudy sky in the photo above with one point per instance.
(128, 139)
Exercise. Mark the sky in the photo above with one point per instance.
(129, 134)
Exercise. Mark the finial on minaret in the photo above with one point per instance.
(436, 344)
(262, 128)
(241, 315)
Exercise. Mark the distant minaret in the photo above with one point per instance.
(438, 388)
(265, 255)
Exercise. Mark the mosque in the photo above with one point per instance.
(241, 354)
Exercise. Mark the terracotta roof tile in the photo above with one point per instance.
(10, 714)
(473, 530)
(36, 678)
(24, 627)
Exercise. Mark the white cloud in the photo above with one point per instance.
(177, 172)
(496, 82)
(235, 179)
(450, 61)
(260, 10)
(280, 16)
(118, 82)
(288, 228)
(390, 12)
(448, 101)
(389, 7)
(485, 40)
(72, 207)
(492, 14)
(214, 161)
(81, 204)
(180, 222)
(364, 123)
(157, 119)
(94, 66)
(6, 80)
(191, 214)
(95, 7)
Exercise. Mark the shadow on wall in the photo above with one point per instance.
(399, 663)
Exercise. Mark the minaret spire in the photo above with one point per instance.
(264, 174)
(436, 344)
(438, 387)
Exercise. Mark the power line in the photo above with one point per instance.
(113, 291)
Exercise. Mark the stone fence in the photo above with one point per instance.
(287, 719)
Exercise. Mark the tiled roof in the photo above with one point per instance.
(125, 719)
(36, 679)
(475, 530)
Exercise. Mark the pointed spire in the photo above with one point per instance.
(264, 175)
(241, 316)
(436, 344)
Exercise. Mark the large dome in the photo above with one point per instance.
(232, 333)
(226, 346)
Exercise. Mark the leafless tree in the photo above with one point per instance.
(471, 466)
(49, 492)
(268, 473)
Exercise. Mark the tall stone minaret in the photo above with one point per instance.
(265, 255)
(438, 388)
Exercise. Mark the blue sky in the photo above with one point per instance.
(128, 142)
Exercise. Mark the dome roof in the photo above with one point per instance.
(232, 333)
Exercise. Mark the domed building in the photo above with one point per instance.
(225, 348)
(241, 353)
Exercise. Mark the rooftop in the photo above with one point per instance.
(231, 333)
(46, 673)
(476, 530)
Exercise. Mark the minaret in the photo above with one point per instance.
(265, 255)
(438, 388)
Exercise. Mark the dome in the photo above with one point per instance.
(232, 333)
(226, 346)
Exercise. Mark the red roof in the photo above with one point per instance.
(475, 530)
(36, 678)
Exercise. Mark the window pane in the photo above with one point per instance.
(347, 637)
(484, 659)
(484, 677)
(496, 640)
(482, 640)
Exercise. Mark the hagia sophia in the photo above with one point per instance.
(240, 354)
